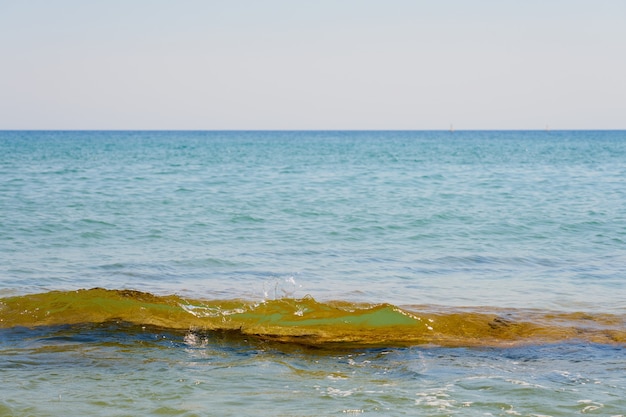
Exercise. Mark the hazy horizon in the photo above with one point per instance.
(295, 65)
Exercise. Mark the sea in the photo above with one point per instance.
(313, 273)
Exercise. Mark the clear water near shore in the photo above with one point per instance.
(284, 273)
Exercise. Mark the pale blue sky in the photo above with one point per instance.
(315, 64)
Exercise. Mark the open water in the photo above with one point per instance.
(477, 273)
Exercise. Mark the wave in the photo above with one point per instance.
(309, 322)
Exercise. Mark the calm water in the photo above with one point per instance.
(502, 224)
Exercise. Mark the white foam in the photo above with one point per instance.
(437, 398)
(202, 311)
(590, 405)
(335, 392)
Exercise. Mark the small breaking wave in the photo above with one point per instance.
(309, 322)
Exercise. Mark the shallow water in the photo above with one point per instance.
(130, 370)
(312, 273)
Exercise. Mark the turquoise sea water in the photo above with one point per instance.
(513, 222)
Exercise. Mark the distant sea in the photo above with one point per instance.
(312, 273)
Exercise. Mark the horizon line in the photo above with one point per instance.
(314, 130)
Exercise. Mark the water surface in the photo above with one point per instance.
(312, 273)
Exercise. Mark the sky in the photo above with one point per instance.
(313, 64)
